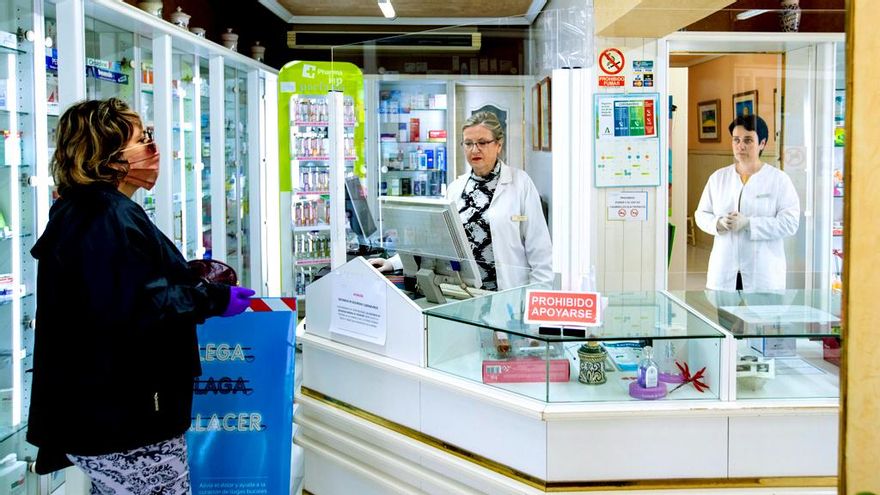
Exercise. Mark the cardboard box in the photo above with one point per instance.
(525, 370)
(414, 130)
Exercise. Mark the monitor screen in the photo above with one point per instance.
(359, 211)
(431, 230)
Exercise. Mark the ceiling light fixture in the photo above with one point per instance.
(387, 9)
(748, 14)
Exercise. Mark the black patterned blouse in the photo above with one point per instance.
(477, 195)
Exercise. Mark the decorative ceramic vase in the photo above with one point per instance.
(180, 18)
(258, 52)
(200, 32)
(154, 8)
(592, 358)
(230, 39)
(789, 15)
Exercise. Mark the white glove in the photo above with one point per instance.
(738, 221)
(724, 224)
(381, 264)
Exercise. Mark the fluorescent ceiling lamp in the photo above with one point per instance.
(387, 9)
(748, 14)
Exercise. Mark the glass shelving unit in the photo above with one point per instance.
(413, 131)
(310, 174)
(235, 111)
(203, 89)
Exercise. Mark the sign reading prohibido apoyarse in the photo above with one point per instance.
(550, 307)
(239, 441)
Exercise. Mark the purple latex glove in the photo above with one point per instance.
(239, 300)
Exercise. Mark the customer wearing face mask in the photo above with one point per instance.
(115, 350)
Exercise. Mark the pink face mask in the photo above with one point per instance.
(143, 165)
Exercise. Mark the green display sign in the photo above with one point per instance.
(315, 79)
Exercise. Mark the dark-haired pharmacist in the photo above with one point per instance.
(750, 207)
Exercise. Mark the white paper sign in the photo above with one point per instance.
(357, 308)
(628, 205)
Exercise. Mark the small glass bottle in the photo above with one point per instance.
(648, 376)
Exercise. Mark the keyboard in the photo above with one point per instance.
(456, 292)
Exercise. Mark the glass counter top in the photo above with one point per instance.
(789, 313)
(625, 316)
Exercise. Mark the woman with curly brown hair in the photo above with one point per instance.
(115, 349)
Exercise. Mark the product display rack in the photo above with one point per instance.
(237, 176)
(28, 93)
(186, 89)
(310, 175)
(414, 136)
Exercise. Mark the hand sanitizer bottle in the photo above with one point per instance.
(648, 371)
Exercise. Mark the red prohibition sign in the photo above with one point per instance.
(621, 212)
(611, 61)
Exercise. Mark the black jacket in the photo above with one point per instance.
(115, 349)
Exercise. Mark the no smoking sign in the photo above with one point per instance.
(611, 61)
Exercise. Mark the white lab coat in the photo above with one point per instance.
(757, 252)
(520, 237)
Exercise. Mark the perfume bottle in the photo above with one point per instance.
(648, 370)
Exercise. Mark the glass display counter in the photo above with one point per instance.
(485, 340)
(787, 342)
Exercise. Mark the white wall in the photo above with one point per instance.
(561, 36)
(678, 88)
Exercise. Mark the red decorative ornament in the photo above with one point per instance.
(687, 378)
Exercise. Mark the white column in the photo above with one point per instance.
(256, 126)
(272, 212)
(337, 180)
(162, 133)
(218, 159)
(71, 45)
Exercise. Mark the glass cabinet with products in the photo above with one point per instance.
(787, 343)
(649, 347)
(414, 138)
(236, 151)
(25, 128)
(310, 175)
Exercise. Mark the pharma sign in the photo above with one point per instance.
(562, 308)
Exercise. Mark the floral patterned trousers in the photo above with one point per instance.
(156, 469)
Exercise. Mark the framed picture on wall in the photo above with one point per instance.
(536, 117)
(708, 121)
(545, 113)
(745, 103)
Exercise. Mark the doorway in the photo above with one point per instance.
(785, 83)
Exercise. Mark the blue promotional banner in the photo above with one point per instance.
(240, 438)
(106, 75)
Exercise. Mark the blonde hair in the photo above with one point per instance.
(91, 135)
(488, 120)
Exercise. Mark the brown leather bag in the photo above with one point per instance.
(214, 271)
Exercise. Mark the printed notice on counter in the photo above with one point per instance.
(627, 205)
(553, 307)
(357, 309)
(627, 140)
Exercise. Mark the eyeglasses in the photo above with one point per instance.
(145, 141)
(470, 145)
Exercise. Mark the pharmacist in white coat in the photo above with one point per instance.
(501, 212)
(750, 207)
